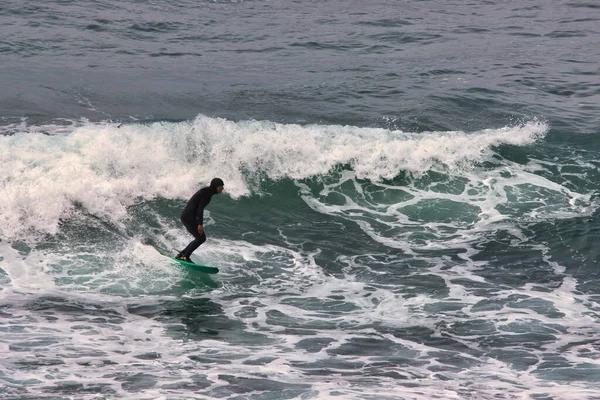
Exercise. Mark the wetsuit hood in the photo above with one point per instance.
(216, 182)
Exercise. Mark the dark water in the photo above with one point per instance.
(410, 209)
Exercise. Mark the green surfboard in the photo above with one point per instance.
(196, 267)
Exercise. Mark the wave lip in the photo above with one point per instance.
(298, 152)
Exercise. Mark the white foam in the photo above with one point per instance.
(25, 273)
(505, 198)
(105, 168)
(283, 274)
(487, 376)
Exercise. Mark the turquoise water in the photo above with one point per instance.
(410, 208)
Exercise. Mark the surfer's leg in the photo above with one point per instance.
(199, 238)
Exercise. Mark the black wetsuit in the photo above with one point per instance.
(193, 215)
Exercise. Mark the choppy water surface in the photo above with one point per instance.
(410, 207)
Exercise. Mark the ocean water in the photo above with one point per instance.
(411, 206)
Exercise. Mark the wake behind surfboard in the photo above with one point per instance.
(196, 267)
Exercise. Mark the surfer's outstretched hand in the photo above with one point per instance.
(200, 229)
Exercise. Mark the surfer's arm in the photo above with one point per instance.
(202, 202)
(200, 215)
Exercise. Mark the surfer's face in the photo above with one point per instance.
(219, 189)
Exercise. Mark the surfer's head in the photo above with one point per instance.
(217, 185)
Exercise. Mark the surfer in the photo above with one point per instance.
(193, 216)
